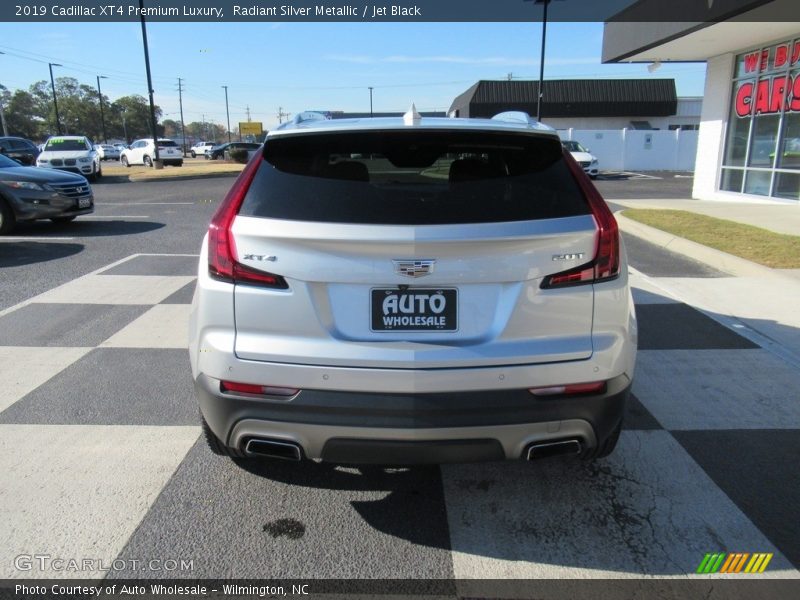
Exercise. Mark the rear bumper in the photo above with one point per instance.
(413, 428)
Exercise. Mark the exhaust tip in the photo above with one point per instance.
(560, 448)
(273, 449)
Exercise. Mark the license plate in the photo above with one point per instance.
(84, 202)
(433, 309)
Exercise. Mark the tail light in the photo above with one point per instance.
(571, 389)
(605, 264)
(222, 258)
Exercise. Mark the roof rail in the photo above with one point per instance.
(523, 118)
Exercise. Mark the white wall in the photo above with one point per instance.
(637, 150)
(713, 120)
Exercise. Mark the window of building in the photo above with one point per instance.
(762, 145)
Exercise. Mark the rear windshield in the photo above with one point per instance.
(413, 178)
(166, 144)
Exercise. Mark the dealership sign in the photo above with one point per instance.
(776, 90)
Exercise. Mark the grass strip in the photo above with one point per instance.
(776, 250)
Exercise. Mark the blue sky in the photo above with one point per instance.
(302, 66)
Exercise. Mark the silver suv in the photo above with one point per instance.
(412, 290)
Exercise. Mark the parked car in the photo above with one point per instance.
(74, 153)
(28, 194)
(409, 290)
(120, 146)
(22, 150)
(142, 152)
(107, 151)
(219, 151)
(583, 157)
(200, 148)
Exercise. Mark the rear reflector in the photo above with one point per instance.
(605, 264)
(571, 389)
(260, 390)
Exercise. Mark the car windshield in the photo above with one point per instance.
(425, 178)
(573, 146)
(6, 162)
(61, 145)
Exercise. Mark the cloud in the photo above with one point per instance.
(459, 60)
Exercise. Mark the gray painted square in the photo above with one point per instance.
(758, 471)
(156, 265)
(304, 520)
(679, 326)
(658, 262)
(638, 417)
(718, 389)
(648, 509)
(56, 324)
(182, 296)
(114, 386)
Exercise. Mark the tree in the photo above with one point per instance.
(21, 116)
(135, 110)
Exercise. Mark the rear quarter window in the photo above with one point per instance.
(413, 178)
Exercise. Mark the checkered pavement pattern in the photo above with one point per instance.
(102, 458)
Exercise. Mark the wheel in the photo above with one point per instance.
(592, 177)
(124, 161)
(179, 163)
(7, 218)
(63, 219)
(148, 162)
(215, 444)
(194, 154)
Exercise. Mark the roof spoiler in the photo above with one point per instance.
(304, 117)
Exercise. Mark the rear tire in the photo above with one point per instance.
(7, 218)
(607, 446)
(215, 444)
(124, 161)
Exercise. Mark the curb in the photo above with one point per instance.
(180, 177)
(717, 259)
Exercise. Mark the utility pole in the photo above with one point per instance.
(248, 113)
(282, 114)
(205, 133)
(102, 117)
(227, 112)
(149, 87)
(180, 103)
(55, 100)
(370, 102)
(124, 126)
(3, 116)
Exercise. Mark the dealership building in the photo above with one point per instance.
(749, 138)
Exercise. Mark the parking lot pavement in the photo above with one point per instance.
(102, 457)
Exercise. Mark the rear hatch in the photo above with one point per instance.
(411, 249)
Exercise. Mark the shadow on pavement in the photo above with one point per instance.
(80, 228)
(16, 254)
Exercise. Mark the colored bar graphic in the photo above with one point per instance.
(734, 562)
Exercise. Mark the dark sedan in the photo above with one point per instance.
(20, 149)
(220, 151)
(29, 193)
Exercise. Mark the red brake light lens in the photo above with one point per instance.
(260, 390)
(222, 256)
(571, 389)
(605, 264)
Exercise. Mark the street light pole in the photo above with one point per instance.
(149, 86)
(102, 116)
(3, 116)
(370, 102)
(227, 113)
(541, 63)
(55, 100)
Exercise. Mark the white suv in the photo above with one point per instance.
(73, 153)
(142, 152)
(200, 148)
(409, 290)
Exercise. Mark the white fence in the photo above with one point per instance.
(638, 150)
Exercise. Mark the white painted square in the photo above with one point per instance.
(79, 491)
(23, 369)
(116, 289)
(163, 326)
(718, 389)
(647, 510)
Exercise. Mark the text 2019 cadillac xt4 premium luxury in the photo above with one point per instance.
(412, 290)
